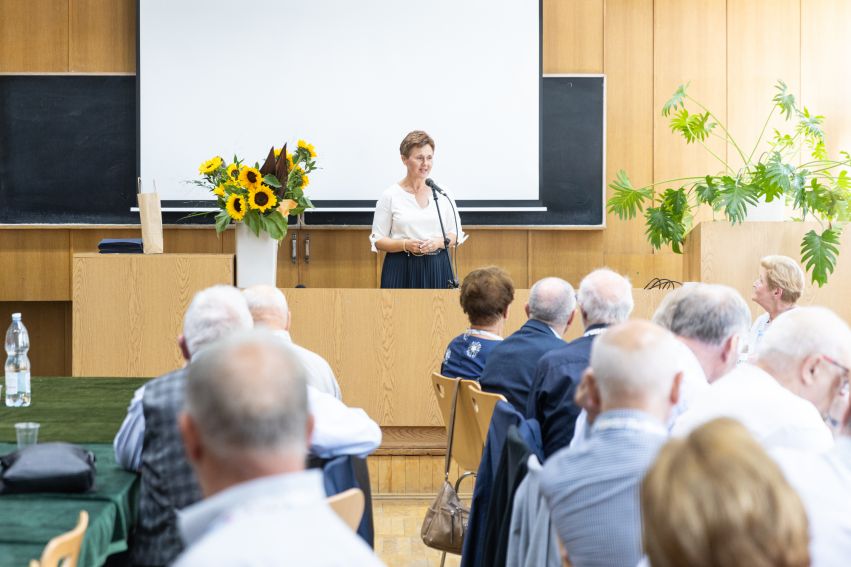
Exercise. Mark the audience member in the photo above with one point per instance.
(246, 428)
(784, 396)
(486, 294)
(269, 309)
(511, 364)
(593, 492)
(776, 289)
(604, 298)
(149, 441)
(715, 499)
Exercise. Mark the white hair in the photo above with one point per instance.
(605, 297)
(266, 301)
(801, 332)
(214, 312)
(636, 360)
(552, 300)
(709, 313)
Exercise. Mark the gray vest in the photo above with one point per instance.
(168, 482)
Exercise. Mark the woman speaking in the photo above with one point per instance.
(407, 223)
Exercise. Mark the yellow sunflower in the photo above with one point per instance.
(309, 147)
(262, 199)
(304, 180)
(278, 151)
(219, 190)
(211, 165)
(236, 207)
(286, 206)
(250, 177)
(233, 171)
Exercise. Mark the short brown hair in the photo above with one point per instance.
(413, 140)
(716, 499)
(485, 294)
(785, 274)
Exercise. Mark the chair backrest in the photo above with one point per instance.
(349, 506)
(481, 404)
(64, 549)
(466, 447)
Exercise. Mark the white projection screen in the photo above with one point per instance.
(222, 78)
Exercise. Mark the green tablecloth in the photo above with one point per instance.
(87, 411)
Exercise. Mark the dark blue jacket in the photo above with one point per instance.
(510, 368)
(550, 400)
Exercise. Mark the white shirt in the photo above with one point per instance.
(824, 484)
(270, 521)
(775, 416)
(760, 325)
(319, 372)
(399, 216)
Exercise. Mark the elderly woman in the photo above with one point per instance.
(407, 225)
(777, 289)
(485, 296)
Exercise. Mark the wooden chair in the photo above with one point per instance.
(466, 447)
(349, 506)
(64, 549)
(481, 405)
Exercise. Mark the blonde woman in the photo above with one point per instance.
(776, 289)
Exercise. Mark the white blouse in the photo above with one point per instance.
(399, 216)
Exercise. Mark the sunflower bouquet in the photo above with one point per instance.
(261, 196)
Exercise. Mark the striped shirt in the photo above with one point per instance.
(593, 490)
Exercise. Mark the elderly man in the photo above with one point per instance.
(269, 309)
(149, 441)
(783, 397)
(510, 368)
(246, 429)
(605, 298)
(593, 492)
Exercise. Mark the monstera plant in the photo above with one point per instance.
(795, 168)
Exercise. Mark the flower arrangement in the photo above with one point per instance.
(261, 197)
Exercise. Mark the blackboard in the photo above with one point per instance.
(68, 155)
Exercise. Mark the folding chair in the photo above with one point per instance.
(64, 549)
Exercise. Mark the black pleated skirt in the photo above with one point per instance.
(406, 271)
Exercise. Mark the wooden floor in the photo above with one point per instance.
(397, 534)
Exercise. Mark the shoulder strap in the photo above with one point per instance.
(451, 430)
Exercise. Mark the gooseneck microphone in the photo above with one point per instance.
(430, 182)
(453, 280)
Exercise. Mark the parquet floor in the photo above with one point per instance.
(397, 535)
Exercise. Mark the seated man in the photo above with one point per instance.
(246, 428)
(149, 441)
(783, 397)
(511, 364)
(604, 298)
(593, 492)
(269, 309)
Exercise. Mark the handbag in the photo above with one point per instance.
(446, 519)
(47, 467)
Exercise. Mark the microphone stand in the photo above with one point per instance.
(453, 282)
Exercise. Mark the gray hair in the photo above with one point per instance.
(266, 301)
(605, 297)
(552, 300)
(249, 393)
(802, 332)
(214, 312)
(709, 313)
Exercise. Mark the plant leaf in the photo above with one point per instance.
(819, 150)
(691, 126)
(252, 221)
(272, 181)
(735, 198)
(627, 200)
(809, 125)
(676, 101)
(708, 192)
(784, 100)
(222, 222)
(818, 253)
(663, 228)
(775, 178)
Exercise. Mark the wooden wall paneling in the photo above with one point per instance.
(567, 254)
(642, 268)
(33, 36)
(573, 36)
(763, 45)
(289, 274)
(49, 326)
(36, 266)
(102, 36)
(825, 82)
(338, 258)
(192, 241)
(504, 248)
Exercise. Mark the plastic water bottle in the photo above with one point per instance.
(17, 364)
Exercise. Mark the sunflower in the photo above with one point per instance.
(286, 206)
(278, 151)
(211, 165)
(233, 171)
(262, 199)
(236, 207)
(304, 180)
(219, 190)
(299, 174)
(309, 147)
(250, 177)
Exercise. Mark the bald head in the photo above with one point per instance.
(552, 301)
(268, 307)
(605, 298)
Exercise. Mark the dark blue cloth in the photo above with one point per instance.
(406, 271)
(510, 368)
(551, 398)
(466, 356)
(345, 472)
(504, 416)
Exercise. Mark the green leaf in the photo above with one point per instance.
(627, 200)
(272, 227)
(692, 127)
(271, 181)
(707, 192)
(735, 199)
(676, 101)
(818, 253)
(252, 221)
(819, 150)
(776, 177)
(222, 222)
(842, 181)
(784, 100)
(663, 228)
(782, 142)
(810, 125)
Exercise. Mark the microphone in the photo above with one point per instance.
(430, 182)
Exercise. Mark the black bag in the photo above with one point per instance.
(47, 467)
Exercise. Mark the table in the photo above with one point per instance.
(87, 411)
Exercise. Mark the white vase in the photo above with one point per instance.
(256, 258)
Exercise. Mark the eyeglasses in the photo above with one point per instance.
(843, 388)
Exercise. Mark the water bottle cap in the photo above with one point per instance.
(16, 316)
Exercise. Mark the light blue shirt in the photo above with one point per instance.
(593, 490)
